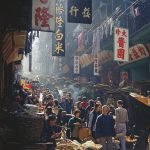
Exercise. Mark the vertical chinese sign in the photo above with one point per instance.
(76, 65)
(79, 11)
(59, 36)
(43, 15)
(121, 44)
(96, 66)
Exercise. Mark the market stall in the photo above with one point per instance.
(74, 145)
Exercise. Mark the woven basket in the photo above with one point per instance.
(28, 128)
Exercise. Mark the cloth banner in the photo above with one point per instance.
(79, 11)
(59, 37)
(96, 65)
(96, 41)
(121, 44)
(43, 15)
(81, 39)
(76, 65)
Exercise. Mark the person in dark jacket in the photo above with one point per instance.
(82, 111)
(56, 106)
(105, 129)
(74, 125)
(69, 104)
(49, 100)
(63, 118)
(52, 132)
(92, 119)
(59, 120)
(89, 109)
(63, 103)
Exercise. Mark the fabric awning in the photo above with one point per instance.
(103, 57)
(12, 42)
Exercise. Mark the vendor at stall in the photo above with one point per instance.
(53, 132)
(74, 125)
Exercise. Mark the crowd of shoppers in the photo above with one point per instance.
(103, 121)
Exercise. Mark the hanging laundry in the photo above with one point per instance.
(102, 32)
(137, 11)
(96, 41)
(88, 39)
(111, 24)
(28, 43)
(81, 39)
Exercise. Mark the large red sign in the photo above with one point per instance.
(136, 53)
(43, 15)
(121, 44)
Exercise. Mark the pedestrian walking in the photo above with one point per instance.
(105, 129)
(121, 121)
(92, 119)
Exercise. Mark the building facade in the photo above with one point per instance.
(134, 16)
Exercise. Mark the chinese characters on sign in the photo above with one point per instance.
(136, 53)
(59, 36)
(121, 44)
(76, 65)
(80, 11)
(96, 66)
(43, 15)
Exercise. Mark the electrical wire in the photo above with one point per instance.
(113, 16)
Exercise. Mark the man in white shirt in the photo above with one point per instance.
(121, 121)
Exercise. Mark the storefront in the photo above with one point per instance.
(138, 67)
(11, 51)
(109, 69)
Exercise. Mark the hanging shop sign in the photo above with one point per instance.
(96, 66)
(76, 65)
(136, 53)
(43, 15)
(59, 36)
(80, 11)
(121, 44)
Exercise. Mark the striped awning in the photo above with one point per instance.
(103, 57)
(8, 45)
(85, 60)
(12, 42)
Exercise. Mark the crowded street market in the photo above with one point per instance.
(75, 75)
